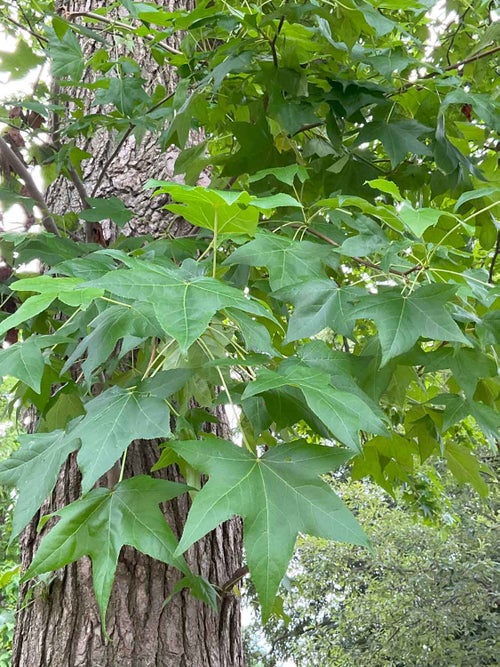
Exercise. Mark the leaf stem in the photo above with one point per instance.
(122, 467)
(209, 354)
(214, 243)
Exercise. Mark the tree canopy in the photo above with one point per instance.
(336, 289)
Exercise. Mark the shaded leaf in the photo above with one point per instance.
(289, 261)
(401, 320)
(343, 412)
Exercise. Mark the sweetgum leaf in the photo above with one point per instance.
(33, 470)
(24, 361)
(113, 420)
(289, 261)
(99, 524)
(398, 138)
(343, 412)
(401, 319)
(278, 495)
(184, 300)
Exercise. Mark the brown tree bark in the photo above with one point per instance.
(58, 621)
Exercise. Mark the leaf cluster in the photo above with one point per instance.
(336, 292)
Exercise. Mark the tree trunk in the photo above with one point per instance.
(58, 621)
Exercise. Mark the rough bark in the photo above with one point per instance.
(58, 621)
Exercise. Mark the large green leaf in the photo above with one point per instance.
(278, 495)
(184, 299)
(33, 470)
(343, 412)
(24, 361)
(113, 420)
(398, 138)
(401, 320)
(102, 522)
(222, 212)
(289, 261)
(319, 304)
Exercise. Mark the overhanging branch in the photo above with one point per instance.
(20, 169)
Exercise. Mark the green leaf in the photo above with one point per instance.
(126, 93)
(289, 261)
(33, 469)
(113, 419)
(68, 290)
(398, 138)
(386, 186)
(343, 412)
(319, 304)
(283, 174)
(18, 62)
(184, 300)
(465, 467)
(419, 219)
(278, 495)
(67, 57)
(467, 365)
(31, 307)
(104, 208)
(221, 212)
(401, 320)
(102, 522)
(113, 324)
(24, 361)
(199, 588)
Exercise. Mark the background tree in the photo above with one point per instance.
(334, 286)
(427, 595)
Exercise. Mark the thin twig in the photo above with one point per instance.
(123, 26)
(272, 42)
(84, 198)
(40, 38)
(449, 68)
(17, 165)
(358, 260)
(493, 260)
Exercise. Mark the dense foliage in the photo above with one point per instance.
(424, 597)
(337, 285)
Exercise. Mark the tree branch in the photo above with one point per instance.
(358, 260)
(449, 68)
(17, 165)
(237, 576)
(104, 19)
(496, 252)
